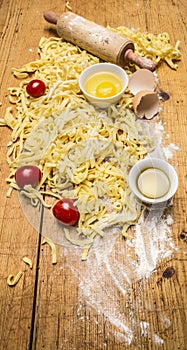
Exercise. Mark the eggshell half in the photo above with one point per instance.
(146, 104)
(142, 79)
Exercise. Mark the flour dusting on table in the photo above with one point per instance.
(152, 242)
(113, 267)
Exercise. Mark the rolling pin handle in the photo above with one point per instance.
(51, 17)
(141, 62)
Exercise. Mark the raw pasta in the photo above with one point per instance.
(84, 153)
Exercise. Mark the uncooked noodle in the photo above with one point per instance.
(84, 153)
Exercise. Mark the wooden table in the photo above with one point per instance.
(50, 307)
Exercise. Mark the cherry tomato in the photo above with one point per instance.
(65, 211)
(36, 88)
(28, 175)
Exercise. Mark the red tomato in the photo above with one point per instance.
(36, 88)
(65, 211)
(28, 175)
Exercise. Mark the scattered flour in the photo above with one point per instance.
(169, 150)
(152, 241)
(165, 320)
(105, 280)
(105, 273)
(157, 340)
(145, 331)
(144, 326)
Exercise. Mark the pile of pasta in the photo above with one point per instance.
(156, 47)
(84, 153)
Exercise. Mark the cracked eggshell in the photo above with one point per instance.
(142, 79)
(146, 104)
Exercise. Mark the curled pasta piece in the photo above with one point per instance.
(13, 280)
(28, 261)
(53, 249)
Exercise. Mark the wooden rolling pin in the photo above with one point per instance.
(96, 39)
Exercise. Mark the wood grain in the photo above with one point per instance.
(48, 309)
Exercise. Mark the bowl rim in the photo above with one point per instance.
(158, 163)
(103, 64)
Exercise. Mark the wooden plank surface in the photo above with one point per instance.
(72, 305)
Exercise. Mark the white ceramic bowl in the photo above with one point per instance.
(157, 163)
(103, 67)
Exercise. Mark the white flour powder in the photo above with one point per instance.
(112, 267)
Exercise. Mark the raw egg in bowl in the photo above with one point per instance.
(153, 180)
(103, 84)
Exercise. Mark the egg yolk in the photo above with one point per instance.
(106, 89)
(103, 84)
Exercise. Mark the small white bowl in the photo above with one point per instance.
(155, 163)
(103, 67)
